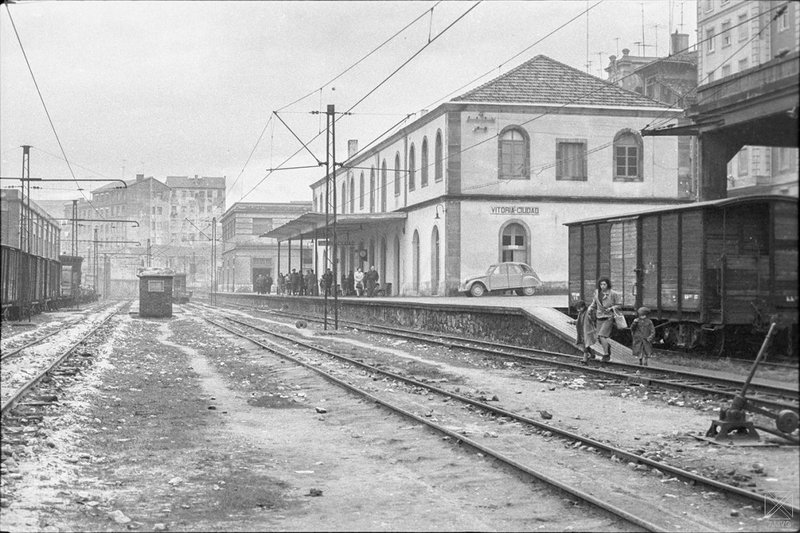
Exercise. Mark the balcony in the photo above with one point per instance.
(773, 84)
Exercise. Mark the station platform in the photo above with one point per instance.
(547, 310)
(538, 321)
(536, 314)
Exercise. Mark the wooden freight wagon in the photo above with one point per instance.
(707, 266)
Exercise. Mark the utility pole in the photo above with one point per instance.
(23, 264)
(332, 118)
(330, 212)
(213, 260)
(95, 266)
(74, 249)
(148, 253)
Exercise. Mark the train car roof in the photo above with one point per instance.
(722, 202)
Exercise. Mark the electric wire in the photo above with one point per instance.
(46, 110)
(586, 94)
(345, 71)
(369, 93)
(781, 9)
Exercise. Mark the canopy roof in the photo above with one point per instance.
(311, 224)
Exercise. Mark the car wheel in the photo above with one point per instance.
(528, 291)
(477, 290)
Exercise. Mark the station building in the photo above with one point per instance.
(491, 176)
(245, 255)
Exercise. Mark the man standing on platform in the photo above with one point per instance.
(371, 278)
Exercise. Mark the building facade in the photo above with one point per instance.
(246, 255)
(671, 80)
(169, 226)
(492, 176)
(739, 36)
(27, 227)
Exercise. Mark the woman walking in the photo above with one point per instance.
(604, 305)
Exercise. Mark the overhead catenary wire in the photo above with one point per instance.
(327, 83)
(336, 119)
(781, 9)
(46, 110)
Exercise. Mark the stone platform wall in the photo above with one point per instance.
(503, 325)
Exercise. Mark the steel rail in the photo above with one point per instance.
(22, 391)
(621, 513)
(34, 342)
(730, 489)
(491, 348)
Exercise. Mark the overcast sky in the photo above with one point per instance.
(185, 88)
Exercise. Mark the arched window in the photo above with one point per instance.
(361, 192)
(438, 165)
(628, 156)
(514, 243)
(352, 195)
(372, 190)
(435, 261)
(423, 175)
(513, 154)
(397, 174)
(383, 186)
(411, 169)
(415, 260)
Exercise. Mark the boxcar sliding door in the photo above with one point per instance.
(622, 250)
(650, 263)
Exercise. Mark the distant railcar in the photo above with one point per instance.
(179, 293)
(706, 270)
(71, 273)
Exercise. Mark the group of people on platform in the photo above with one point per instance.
(596, 322)
(356, 283)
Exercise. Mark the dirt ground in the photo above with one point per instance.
(181, 428)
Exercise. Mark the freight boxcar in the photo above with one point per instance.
(707, 270)
(30, 283)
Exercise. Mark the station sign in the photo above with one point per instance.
(514, 210)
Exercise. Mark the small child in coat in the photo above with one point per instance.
(644, 332)
(584, 338)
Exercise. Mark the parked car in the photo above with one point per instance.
(518, 277)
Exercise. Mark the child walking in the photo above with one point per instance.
(644, 332)
(586, 335)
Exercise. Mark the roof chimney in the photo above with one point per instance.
(139, 177)
(352, 147)
(679, 42)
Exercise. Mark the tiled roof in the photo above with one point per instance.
(542, 80)
(185, 182)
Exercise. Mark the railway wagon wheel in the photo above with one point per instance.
(682, 335)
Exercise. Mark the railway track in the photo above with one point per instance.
(7, 354)
(505, 450)
(777, 397)
(49, 368)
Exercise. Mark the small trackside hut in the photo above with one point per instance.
(155, 292)
(707, 270)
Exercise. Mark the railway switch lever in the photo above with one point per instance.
(733, 423)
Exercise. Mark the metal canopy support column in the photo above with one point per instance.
(279, 275)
